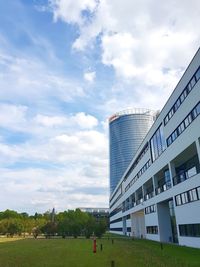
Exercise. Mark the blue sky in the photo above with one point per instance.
(65, 67)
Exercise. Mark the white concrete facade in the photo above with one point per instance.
(158, 197)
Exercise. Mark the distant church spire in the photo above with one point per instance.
(53, 215)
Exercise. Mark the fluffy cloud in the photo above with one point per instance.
(39, 189)
(30, 80)
(68, 155)
(75, 8)
(148, 44)
(71, 179)
(78, 120)
(12, 115)
(63, 171)
(90, 76)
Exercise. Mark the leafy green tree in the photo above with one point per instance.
(49, 229)
(64, 227)
(14, 227)
(24, 215)
(7, 214)
(4, 226)
(28, 225)
(89, 226)
(100, 227)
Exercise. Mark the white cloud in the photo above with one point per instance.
(74, 121)
(77, 172)
(84, 121)
(29, 79)
(76, 159)
(71, 11)
(83, 148)
(11, 115)
(90, 76)
(148, 44)
(50, 121)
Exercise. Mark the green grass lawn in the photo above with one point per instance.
(78, 253)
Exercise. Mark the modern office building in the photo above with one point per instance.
(96, 212)
(158, 196)
(127, 130)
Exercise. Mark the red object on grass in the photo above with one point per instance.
(94, 245)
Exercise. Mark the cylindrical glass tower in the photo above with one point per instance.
(127, 130)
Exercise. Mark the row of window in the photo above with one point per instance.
(117, 220)
(117, 210)
(163, 185)
(135, 163)
(150, 209)
(117, 191)
(116, 200)
(141, 171)
(119, 229)
(188, 196)
(129, 202)
(183, 95)
(152, 229)
(192, 230)
(157, 143)
(184, 124)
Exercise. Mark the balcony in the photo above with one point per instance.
(185, 174)
(148, 195)
(164, 185)
(139, 201)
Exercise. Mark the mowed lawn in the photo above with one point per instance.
(78, 253)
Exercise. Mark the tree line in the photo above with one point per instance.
(68, 223)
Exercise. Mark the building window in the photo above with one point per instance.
(188, 196)
(152, 229)
(181, 128)
(157, 143)
(128, 229)
(177, 104)
(192, 230)
(140, 156)
(193, 81)
(193, 195)
(178, 200)
(119, 229)
(198, 192)
(197, 75)
(184, 124)
(137, 176)
(182, 96)
(150, 209)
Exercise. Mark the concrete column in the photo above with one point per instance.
(143, 192)
(172, 171)
(124, 225)
(153, 185)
